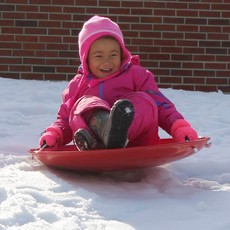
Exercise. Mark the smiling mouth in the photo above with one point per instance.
(107, 70)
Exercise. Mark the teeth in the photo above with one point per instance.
(105, 70)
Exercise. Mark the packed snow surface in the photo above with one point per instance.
(193, 193)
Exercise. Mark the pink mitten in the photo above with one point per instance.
(51, 138)
(181, 131)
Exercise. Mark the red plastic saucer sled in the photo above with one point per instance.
(119, 159)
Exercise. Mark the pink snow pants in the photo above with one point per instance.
(144, 128)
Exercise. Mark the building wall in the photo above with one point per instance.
(186, 44)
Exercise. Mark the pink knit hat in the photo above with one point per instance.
(95, 28)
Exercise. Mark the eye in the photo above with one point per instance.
(114, 55)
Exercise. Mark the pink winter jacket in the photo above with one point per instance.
(133, 78)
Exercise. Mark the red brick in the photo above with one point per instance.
(142, 26)
(74, 9)
(104, 3)
(199, 6)
(193, 80)
(145, 42)
(51, 8)
(39, 2)
(226, 14)
(181, 72)
(46, 53)
(11, 60)
(220, 7)
(209, 14)
(6, 53)
(177, 5)
(52, 46)
(172, 35)
(61, 2)
(35, 61)
(48, 24)
(141, 11)
(98, 11)
(197, 36)
(10, 75)
(218, 22)
(215, 66)
(66, 69)
(165, 27)
(192, 65)
(6, 37)
(159, 56)
(23, 53)
(203, 58)
(20, 68)
(60, 32)
(171, 80)
(14, 15)
(7, 8)
(60, 17)
(128, 19)
(4, 23)
(120, 10)
(194, 50)
(164, 42)
(27, 8)
(176, 49)
(218, 37)
(26, 38)
(34, 46)
(216, 51)
(170, 64)
(204, 73)
(132, 4)
(161, 12)
(224, 58)
(216, 81)
(190, 28)
(196, 21)
(10, 45)
(187, 13)
(191, 43)
(12, 30)
(4, 68)
(173, 20)
(56, 62)
(181, 57)
(210, 29)
(153, 4)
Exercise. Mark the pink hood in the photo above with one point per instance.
(95, 28)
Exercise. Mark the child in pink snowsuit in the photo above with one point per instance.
(112, 102)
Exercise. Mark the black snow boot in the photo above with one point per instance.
(112, 128)
(86, 140)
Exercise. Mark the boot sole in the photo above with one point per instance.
(83, 141)
(121, 117)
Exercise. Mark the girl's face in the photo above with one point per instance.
(104, 57)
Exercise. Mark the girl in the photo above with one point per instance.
(112, 102)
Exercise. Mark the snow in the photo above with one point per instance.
(193, 193)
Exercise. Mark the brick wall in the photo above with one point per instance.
(186, 44)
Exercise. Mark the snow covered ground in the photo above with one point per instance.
(193, 193)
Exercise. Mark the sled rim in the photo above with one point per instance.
(109, 160)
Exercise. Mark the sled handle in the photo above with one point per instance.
(42, 147)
